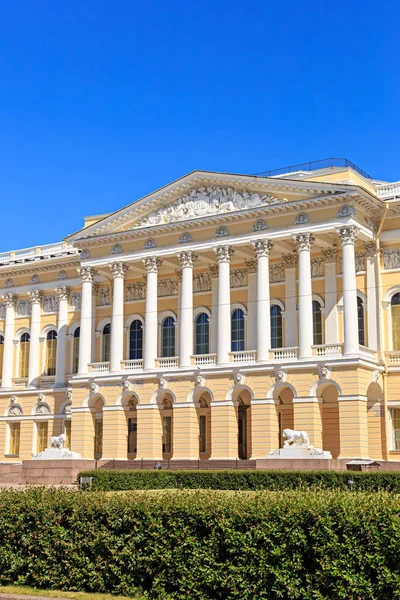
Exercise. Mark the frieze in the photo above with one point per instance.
(222, 232)
(290, 260)
(9, 283)
(185, 238)
(105, 296)
(150, 243)
(206, 201)
(117, 249)
(260, 225)
(202, 282)
(76, 301)
(61, 275)
(2, 311)
(168, 287)
(34, 279)
(391, 259)
(50, 304)
(251, 266)
(301, 219)
(135, 291)
(24, 308)
(346, 211)
(359, 258)
(276, 272)
(317, 267)
(238, 278)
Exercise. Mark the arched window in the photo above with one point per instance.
(395, 308)
(24, 354)
(361, 321)
(317, 323)
(168, 337)
(276, 326)
(237, 330)
(51, 352)
(106, 348)
(136, 340)
(202, 334)
(1, 353)
(75, 350)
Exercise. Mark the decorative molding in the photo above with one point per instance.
(260, 225)
(150, 243)
(51, 304)
(67, 408)
(370, 249)
(42, 408)
(168, 287)
(324, 372)
(2, 311)
(330, 255)
(87, 273)
(35, 279)
(262, 247)
(152, 264)
(162, 383)
(199, 381)
(202, 282)
(118, 269)
(35, 296)
(276, 272)
(280, 375)
(135, 291)
(251, 266)
(85, 253)
(239, 378)
(203, 201)
(346, 211)
(348, 235)
(359, 258)
(24, 308)
(290, 260)
(116, 249)
(9, 283)
(223, 253)
(213, 271)
(391, 259)
(76, 301)
(94, 388)
(301, 219)
(9, 300)
(62, 292)
(222, 232)
(238, 278)
(187, 259)
(61, 275)
(304, 241)
(105, 296)
(185, 238)
(317, 267)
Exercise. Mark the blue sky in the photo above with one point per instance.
(102, 102)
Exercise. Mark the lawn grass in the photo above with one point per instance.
(29, 591)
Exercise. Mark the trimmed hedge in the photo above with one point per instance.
(242, 480)
(204, 545)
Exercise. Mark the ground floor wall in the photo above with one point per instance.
(210, 417)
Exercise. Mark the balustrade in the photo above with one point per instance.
(284, 353)
(243, 356)
(167, 363)
(328, 349)
(204, 359)
(100, 367)
(132, 365)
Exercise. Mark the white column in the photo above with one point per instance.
(35, 298)
(85, 338)
(186, 305)
(263, 248)
(251, 304)
(214, 308)
(151, 317)
(8, 352)
(331, 313)
(95, 292)
(117, 323)
(304, 243)
(291, 325)
(372, 296)
(350, 321)
(223, 254)
(62, 325)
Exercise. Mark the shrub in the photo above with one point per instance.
(204, 545)
(243, 480)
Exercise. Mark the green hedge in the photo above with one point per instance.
(242, 480)
(204, 545)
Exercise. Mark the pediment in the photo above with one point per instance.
(200, 195)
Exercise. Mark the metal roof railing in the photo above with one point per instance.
(324, 163)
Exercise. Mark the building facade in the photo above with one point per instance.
(203, 319)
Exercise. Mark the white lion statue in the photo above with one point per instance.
(297, 438)
(58, 441)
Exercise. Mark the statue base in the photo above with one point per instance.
(56, 454)
(300, 452)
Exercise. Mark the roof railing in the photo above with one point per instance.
(324, 163)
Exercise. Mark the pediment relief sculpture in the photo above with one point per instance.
(203, 201)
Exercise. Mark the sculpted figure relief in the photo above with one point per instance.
(202, 282)
(276, 272)
(76, 300)
(50, 304)
(135, 291)
(105, 296)
(238, 278)
(168, 287)
(24, 308)
(2, 311)
(317, 267)
(203, 201)
(391, 258)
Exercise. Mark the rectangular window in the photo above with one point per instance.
(24, 359)
(67, 432)
(42, 434)
(75, 365)
(15, 434)
(51, 357)
(167, 435)
(98, 439)
(396, 326)
(203, 433)
(396, 428)
(132, 436)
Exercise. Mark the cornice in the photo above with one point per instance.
(28, 268)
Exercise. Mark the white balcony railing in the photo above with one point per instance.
(393, 356)
(168, 363)
(100, 367)
(20, 382)
(47, 380)
(204, 359)
(284, 353)
(132, 365)
(328, 349)
(243, 356)
(388, 190)
(37, 253)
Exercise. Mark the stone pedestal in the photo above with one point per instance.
(57, 454)
(299, 452)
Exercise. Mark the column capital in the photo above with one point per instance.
(62, 292)
(304, 241)
(152, 263)
(251, 266)
(9, 300)
(214, 271)
(223, 253)
(87, 273)
(330, 255)
(118, 269)
(262, 247)
(290, 260)
(348, 234)
(35, 296)
(370, 249)
(95, 289)
(187, 258)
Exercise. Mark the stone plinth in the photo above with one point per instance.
(299, 452)
(57, 454)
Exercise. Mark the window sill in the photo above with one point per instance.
(11, 456)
